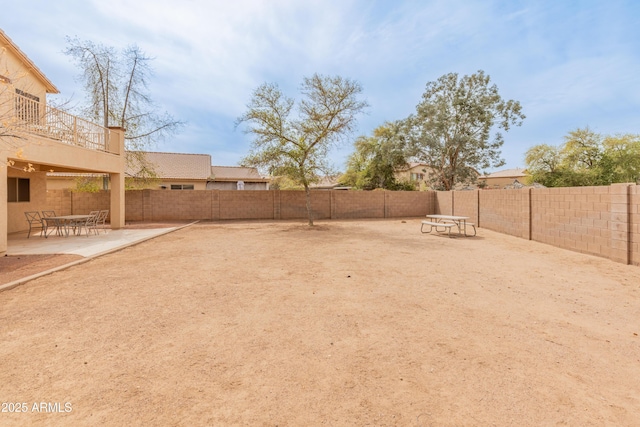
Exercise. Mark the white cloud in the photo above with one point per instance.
(567, 63)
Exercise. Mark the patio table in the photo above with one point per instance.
(65, 221)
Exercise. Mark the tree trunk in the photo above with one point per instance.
(308, 197)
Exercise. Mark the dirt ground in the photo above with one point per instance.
(14, 267)
(346, 323)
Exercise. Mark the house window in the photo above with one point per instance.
(417, 177)
(27, 107)
(18, 190)
(182, 186)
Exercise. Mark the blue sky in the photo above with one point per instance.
(570, 63)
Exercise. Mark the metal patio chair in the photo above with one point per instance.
(102, 219)
(87, 224)
(35, 221)
(53, 223)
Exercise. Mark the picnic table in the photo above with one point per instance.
(447, 222)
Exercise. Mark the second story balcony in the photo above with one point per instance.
(27, 114)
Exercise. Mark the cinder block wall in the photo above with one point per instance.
(505, 211)
(358, 204)
(402, 204)
(169, 205)
(293, 204)
(572, 218)
(59, 201)
(634, 219)
(160, 205)
(83, 203)
(603, 221)
(246, 204)
(444, 202)
(134, 205)
(466, 203)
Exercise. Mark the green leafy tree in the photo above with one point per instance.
(621, 158)
(297, 146)
(451, 129)
(544, 164)
(582, 149)
(88, 184)
(377, 158)
(582, 155)
(585, 158)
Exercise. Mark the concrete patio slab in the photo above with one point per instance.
(90, 246)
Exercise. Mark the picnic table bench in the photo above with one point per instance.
(432, 224)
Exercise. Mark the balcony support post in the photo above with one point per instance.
(117, 180)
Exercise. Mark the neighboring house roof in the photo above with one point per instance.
(29, 65)
(236, 173)
(74, 175)
(412, 165)
(507, 173)
(330, 182)
(174, 165)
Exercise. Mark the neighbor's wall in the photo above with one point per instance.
(573, 218)
(505, 211)
(163, 205)
(293, 204)
(602, 221)
(59, 201)
(634, 219)
(252, 204)
(87, 202)
(444, 202)
(466, 203)
(409, 203)
(358, 204)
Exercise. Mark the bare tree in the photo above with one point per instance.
(116, 85)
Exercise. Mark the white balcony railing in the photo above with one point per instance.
(58, 125)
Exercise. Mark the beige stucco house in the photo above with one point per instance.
(235, 178)
(154, 170)
(420, 175)
(416, 173)
(504, 177)
(173, 171)
(36, 138)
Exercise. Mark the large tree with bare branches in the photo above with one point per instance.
(116, 85)
(297, 147)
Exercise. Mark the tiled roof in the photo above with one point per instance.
(507, 173)
(174, 165)
(236, 173)
(74, 175)
(327, 182)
